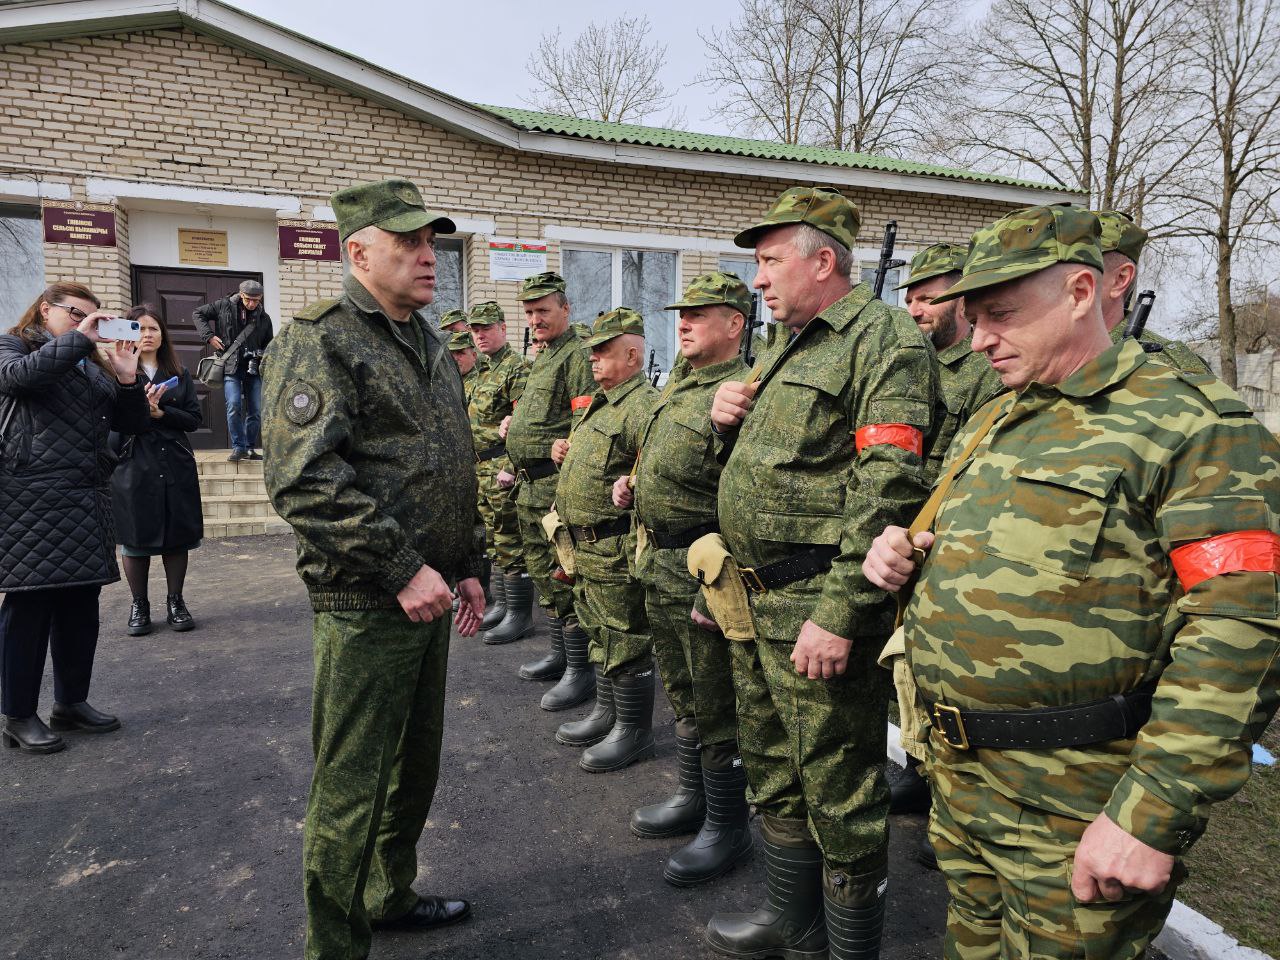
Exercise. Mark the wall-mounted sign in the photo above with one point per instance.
(305, 240)
(84, 224)
(202, 248)
(516, 259)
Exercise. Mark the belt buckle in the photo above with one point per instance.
(942, 713)
(752, 580)
(523, 474)
(589, 534)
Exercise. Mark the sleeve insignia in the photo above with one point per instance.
(301, 402)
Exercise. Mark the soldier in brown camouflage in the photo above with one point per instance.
(1094, 631)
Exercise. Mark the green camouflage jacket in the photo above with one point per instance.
(678, 474)
(966, 381)
(368, 452)
(1051, 583)
(795, 475)
(469, 381)
(1172, 353)
(603, 449)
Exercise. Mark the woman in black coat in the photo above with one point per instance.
(155, 490)
(59, 400)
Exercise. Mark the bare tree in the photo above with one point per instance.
(609, 72)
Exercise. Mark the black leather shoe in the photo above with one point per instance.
(179, 616)
(81, 716)
(236, 456)
(31, 735)
(139, 618)
(427, 913)
(254, 455)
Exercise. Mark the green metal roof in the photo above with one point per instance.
(536, 122)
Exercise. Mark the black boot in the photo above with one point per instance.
(596, 725)
(486, 579)
(517, 620)
(551, 666)
(910, 792)
(790, 923)
(180, 618)
(631, 738)
(578, 684)
(81, 716)
(725, 837)
(139, 618)
(31, 735)
(925, 855)
(684, 810)
(855, 911)
(496, 610)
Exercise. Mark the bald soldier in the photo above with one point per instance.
(1094, 630)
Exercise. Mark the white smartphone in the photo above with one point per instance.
(118, 328)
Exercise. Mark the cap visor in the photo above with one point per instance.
(592, 342)
(982, 279)
(416, 220)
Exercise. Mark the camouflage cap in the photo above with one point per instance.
(450, 317)
(540, 285)
(394, 205)
(461, 340)
(711, 289)
(826, 210)
(614, 324)
(935, 261)
(1121, 234)
(485, 314)
(1026, 242)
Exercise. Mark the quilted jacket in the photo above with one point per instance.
(56, 528)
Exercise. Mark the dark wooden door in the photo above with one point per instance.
(177, 293)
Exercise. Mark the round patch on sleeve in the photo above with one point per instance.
(301, 402)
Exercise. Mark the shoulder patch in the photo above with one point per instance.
(314, 311)
(1225, 401)
(301, 402)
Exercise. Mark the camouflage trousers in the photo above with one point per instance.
(502, 525)
(376, 725)
(1008, 871)
(610, 602)
(539, 556)
(695, 663)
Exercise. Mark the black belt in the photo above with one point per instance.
(610, 528)
(799, 566)
(490, 453)
(1117, 717)
(536, 470)
(681, 538)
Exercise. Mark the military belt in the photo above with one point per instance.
(1117, 717)
(490, 453)
(799, 566)
(536, 470)
(681, 538)
(610, 528)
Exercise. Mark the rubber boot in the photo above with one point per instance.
(552, 665)
(725, 838)
(486, 578)
(596, 725)
(496, 611)
(684, 810)
(578, 683)
(910, 792)
(631, 738)
(855, 911)
(517, 622)
(791, 922)
(925, 854)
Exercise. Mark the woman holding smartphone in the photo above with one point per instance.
(59, 400)
(155, 490)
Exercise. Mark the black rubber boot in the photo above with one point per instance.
(551, 666)
(684, 810)
(486, 579)
(578, 683)
(790, 923)
(595, 726)
(910, 792)
(139, 618)
(497, 609)
(31, 735)
(925, 855)
(631, 738)
(517, 621)
(855, 911)
(725, 838)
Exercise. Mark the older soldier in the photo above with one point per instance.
(827, 446)
(1094, 630)
(454, 321)
(675, 501)
(558, 390)
(609, 601)
(369, 459)
(493, 400)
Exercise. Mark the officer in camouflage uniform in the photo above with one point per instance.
(454, 321)
(609, 601)
(558, 390)
(369, 459)
(675, 501)
(1094, 631)
(824, 450)
(463, 350)
(494, 399)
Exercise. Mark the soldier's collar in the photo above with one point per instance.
(498, 355)
(367, 303)
(560, 341)
(1110, 367)
(713, 372)
(616, 394)
(842, 313)
(958, 350)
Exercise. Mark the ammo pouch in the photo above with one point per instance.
(714, 567)
(911, 720)
(558, 534)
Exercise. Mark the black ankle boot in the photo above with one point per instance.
(855, 911)
(578, 684)
(910, 792)
(139, 618)
(725, 838)
(180, 618)
(595, 726)
(497, 609)
(684, 810)
(631, 738)
(30, 735)
(551, 666)
(517, 619)
(925, 854)
(81, 716)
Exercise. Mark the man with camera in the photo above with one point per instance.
(239, 325)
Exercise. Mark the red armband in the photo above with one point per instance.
(898, 434)
(579, 403)
(1248, 551)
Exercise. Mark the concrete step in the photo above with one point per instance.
(245, 487)
(244, 527)
(233, 507)
(221, 468)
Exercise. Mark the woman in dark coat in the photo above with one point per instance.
(59, 400)
(155, 490)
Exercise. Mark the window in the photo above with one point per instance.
(450, 289)
(598, 280)
(21, 261)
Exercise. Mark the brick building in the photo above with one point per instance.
(210, 141)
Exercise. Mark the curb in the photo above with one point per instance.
(1187, 935)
